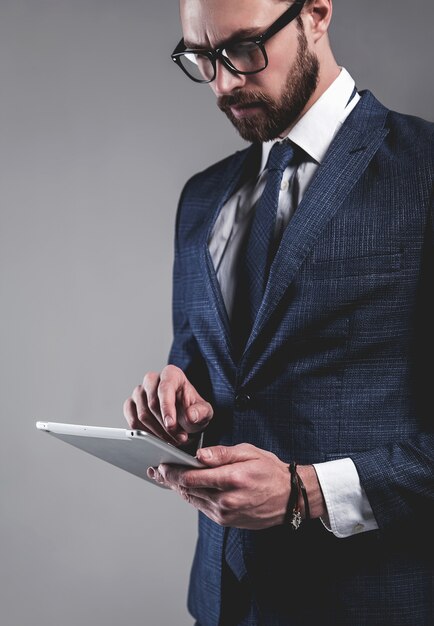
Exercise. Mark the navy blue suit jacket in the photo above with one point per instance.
(338, 364)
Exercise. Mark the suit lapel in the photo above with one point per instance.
(347, 158)
(233, 176)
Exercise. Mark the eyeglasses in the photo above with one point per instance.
(245, 56)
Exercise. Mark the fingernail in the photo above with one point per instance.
(169, 421)
(205, 453)
(151, 472)
(194, 415)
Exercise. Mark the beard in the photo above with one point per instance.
(277, 115)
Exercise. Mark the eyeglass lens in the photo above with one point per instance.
(244, 56)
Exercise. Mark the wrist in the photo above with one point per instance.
(314, 493)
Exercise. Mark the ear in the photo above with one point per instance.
(318, 14)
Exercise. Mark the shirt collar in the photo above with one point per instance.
(315, 131)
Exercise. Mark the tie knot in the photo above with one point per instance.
(281, 154)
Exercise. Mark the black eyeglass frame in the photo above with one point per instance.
(288, 16)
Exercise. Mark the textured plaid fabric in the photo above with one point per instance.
(259, 251)
(335, 366)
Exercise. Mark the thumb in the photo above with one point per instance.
(226, 455)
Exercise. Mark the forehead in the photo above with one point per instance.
(207, 23)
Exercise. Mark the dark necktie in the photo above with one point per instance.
(260, 246)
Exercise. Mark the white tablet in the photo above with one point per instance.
(131, 450)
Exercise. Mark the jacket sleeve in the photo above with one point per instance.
(399, 479)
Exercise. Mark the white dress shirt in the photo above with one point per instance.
(349, 511)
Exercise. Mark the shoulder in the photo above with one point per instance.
(201, 193)
(210, 178)
(408, 154)
(410, 133)
(408, 137)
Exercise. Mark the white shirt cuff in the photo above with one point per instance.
(348, 508)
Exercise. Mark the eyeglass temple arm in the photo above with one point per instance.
(289, 15)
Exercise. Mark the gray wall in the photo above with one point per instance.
(98, 132)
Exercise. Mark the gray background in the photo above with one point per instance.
(98, 133)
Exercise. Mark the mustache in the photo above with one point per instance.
(243, 98)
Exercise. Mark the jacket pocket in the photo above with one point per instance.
(375, 264)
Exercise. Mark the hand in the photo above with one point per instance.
(244, 487)
(168, 406)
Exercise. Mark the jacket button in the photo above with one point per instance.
(242, 401)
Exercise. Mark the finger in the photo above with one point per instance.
(140, 417)
(152, 473)
(206, 506)
(130, 413)
(171, 381)
(220, 478)
(142, 409)
(199, 503)
(154, 428)
(195, 417)
(217, 456)
(146, 420)
(149, 411)
(167, 399)
(207, 495)
(150, 387)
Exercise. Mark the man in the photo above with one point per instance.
(302, 332)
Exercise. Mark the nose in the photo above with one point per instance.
(226, 81)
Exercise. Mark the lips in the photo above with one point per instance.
(245, 109)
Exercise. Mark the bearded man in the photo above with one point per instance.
(302, 308)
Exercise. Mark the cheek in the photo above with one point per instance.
(278, 67)
(273, 79)
(212, 87)
(269, 82)
(282, 58)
